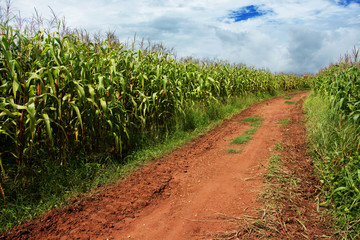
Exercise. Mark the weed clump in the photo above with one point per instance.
(242, 139)
(255, 121)
(251, 131)
(284, 121)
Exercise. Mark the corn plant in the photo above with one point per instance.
(337, 141)
(62, 94)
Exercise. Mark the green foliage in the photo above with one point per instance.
(278, 147)
(284, 121)
(290, 102)
(253, 119)
(242, 139)
(251, 131)
(274, 167)
(256, 124)
(333, 124)
(53, 184)
(342, 84)
(335, 138)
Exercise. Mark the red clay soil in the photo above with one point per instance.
(184, 195)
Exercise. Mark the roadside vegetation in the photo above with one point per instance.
(333, 120)
(78, 111)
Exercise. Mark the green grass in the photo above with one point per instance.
(288, 97)
(290, 102)
(253, 119)
(256, 124)
(284, 122)
(251, 131)
(278, 147)
(243, 139)
(234, 150)
(333, 120)
(274, 166)
(335, 140)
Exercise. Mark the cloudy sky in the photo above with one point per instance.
(299, 36)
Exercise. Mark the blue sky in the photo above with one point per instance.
(346, 2)
(247, 12)
(279, 35)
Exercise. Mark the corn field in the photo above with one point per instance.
(62, 95)
(337, 142)
(342, 84)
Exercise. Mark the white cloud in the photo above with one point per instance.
(294, 36)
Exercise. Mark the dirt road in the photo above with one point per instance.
(185, 195)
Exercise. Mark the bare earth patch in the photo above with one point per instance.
(197, 190)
